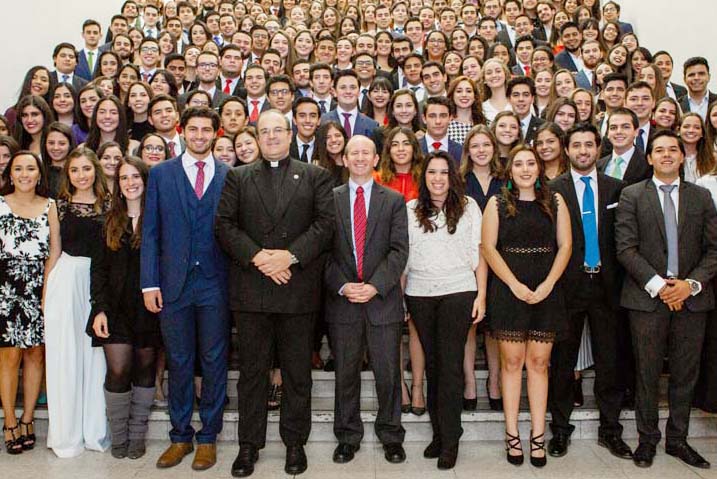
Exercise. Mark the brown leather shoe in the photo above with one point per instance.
(205, 457)
(174, 454)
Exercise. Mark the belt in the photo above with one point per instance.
(591, 269)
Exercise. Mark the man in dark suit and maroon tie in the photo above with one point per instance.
(364, 302)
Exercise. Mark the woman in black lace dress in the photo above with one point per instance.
(75, 370)
(527, 243)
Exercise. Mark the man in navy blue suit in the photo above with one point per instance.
(87, 57)
(346, 85)
(437, 114)
(570, 57)
(183, 278)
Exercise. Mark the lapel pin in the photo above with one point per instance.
(296, 177)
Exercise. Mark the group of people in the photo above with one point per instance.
(524, 171)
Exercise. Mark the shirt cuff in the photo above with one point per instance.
(147, 290)
(341, 290)
(654, 286)
(699, 286)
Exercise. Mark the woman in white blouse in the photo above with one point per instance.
(699, 154)
(441, 281)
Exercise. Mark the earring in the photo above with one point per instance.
(39, 182)
(537, 184)
(509, 185)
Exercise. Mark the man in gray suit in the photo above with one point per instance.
(364, 303)
(666, 237)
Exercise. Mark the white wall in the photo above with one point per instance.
(685, 28)
(30, 30)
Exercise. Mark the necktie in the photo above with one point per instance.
(322, 106)
(254, 115)
(670, 229)
(404, 83)
(91, 61)
(199, 184)
(414, 89)
(364, 95)
(138, 23)
(172, 151)
(436, 145)
(217, 39)
(617, 172)
(65, 78)
(227, 84)
(304, 153)
(150, 33)
(347, 125)
(639, 142)
(145, 77)
(527, 70)
(592, 250)
(359, 229)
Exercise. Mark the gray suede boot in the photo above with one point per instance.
(118, 415)
(142, 399)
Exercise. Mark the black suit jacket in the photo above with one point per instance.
(239, 89)
(608, 193)
(250, 218)
(385, 257)
(77, 82)
(637, 170)
(295, 153)
(642, 243)
(535, 123)
(564, 60)
(679, 90)
(685, 101)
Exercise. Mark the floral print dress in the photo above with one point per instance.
(24, 247)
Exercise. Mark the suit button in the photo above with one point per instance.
(284, 235)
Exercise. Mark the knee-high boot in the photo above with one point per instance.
(118, 406)
(142, 399)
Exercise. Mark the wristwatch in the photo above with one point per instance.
(695, 286)
(294, 259)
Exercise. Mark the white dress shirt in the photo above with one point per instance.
(352, 119)
(60, 77)
(232, 83)
(430, 141)
(626, 157)
(580, 189)
(701, 107)
(300, 147)
(189, 163)
(259, 106)
(657, 282)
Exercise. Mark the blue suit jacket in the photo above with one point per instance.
(364, 125)
(455, 149)
(564, 60)
(581, 80)
(82, 69)
(166, 228)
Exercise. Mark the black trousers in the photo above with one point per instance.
(260, 334)
(442, 323)
(588, 301)
(383, 342)
(679, 335)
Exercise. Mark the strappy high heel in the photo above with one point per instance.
(27, 438)
(537, 445)
(14, 445)
(513, 442)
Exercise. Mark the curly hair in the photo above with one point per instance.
(386, 168)
(455, 204)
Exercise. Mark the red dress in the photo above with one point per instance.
(401, 182)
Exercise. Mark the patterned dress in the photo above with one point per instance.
(24, 247)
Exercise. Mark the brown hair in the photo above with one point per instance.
(705, 157)
(386, 168)
(99, 187)
(117, 218)
(543, 194)
(455, 203)
(467, 163)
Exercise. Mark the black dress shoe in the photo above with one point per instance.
(470, 404)
(345, 452)
(394, 453)
(558, 445)
(433, 450)
(615, 445)
(330, 365)
(644, 454)
(295, 460)
(244, 463)
(686, 454)
(447, 458)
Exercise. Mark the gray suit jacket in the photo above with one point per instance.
(642, 243)
(385, 257)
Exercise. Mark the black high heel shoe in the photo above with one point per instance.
(495, 404)
(513, 442)
(536, 445)
(27, 429)
(406, 407)
(14, 445)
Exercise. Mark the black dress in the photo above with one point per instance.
(115, 290)
(475, 190)
(528, 244)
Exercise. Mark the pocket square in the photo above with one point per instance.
(611, 206)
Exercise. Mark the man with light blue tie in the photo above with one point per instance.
(592, 288)
(625, 162)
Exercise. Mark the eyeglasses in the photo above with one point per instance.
(149, 49)
(272, 131)
(152, 149)
(207, 65)
(280, 92)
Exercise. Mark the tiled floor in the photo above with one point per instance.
(477, 460)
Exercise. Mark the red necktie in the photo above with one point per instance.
(172, 151)
(227, 85)
(436, 145)
(359, 229)
(527, 70)
(199, 184)
(347, 125)
(254, 115)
